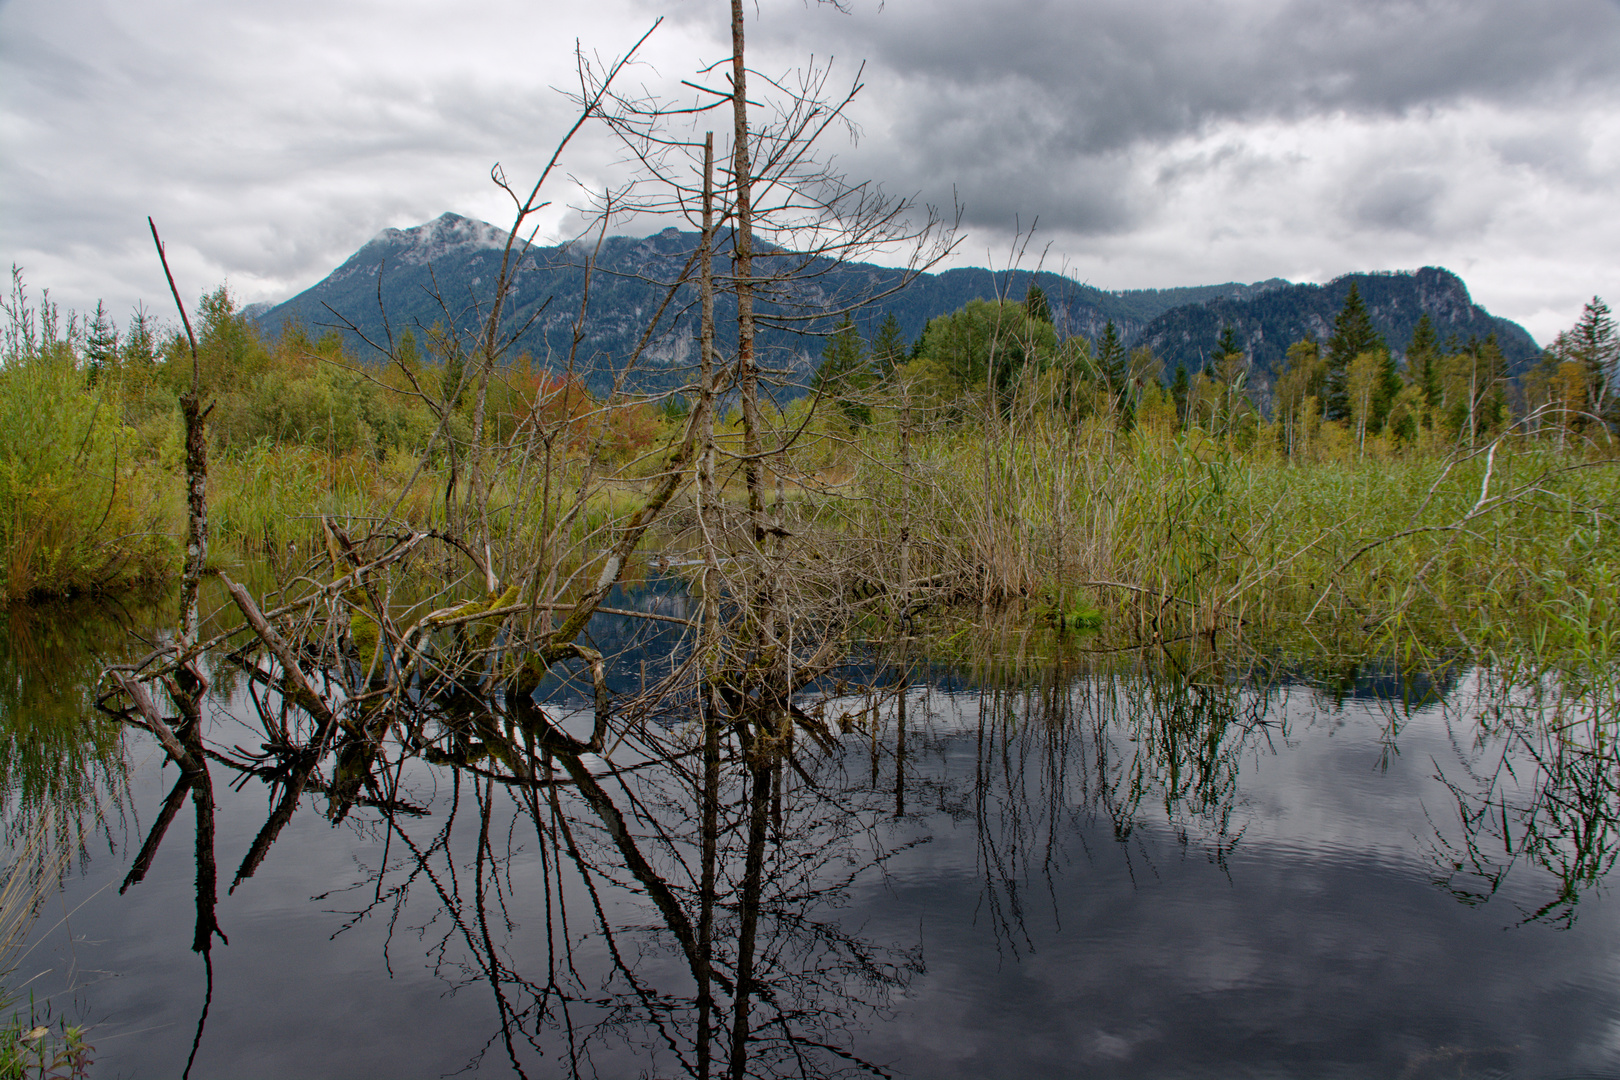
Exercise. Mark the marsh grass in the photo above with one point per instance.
(81, 510)
(29, 1047)
(1173, 535)
(267, 497)
(1151, 534)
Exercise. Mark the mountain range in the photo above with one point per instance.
(443, 271)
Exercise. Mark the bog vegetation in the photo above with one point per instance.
(1374, 490)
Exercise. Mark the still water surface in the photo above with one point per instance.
(1131, 868)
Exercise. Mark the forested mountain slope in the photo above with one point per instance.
(1268, 323)
(443, 271)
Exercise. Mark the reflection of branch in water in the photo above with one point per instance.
(202, 1019)
(154, 838)
(1153, 744)
(1539, 784)
(298, 776)
(202, 797)
(754, 867)
(199, 784)
(709, 830)
(769, 990)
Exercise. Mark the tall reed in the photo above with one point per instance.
(29, 1048)
(1176, 534)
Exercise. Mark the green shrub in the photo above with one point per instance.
(79, 510)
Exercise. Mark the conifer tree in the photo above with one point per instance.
(1035, 304)
(1423, 360)
(1228, 345)
(844, 372)
(1353, 334)
(1494, 411)
(139, 348)
(1111, 359)
(1592, 344)
(100, 345)
(889, 348)
(1179, 387)
(1389, 386)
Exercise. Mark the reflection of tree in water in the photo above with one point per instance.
(1538, 783)
(57, 754)
(690, 881)
(690, 863)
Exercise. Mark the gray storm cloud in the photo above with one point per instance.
(1120, 73)
(1157, 143)
(1037, 87)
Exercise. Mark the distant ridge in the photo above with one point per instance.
(1268, 323)
(456, 260)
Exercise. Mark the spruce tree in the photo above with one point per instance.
(1228, 345)
(1389, 386)
(844, 372)
(1111, 359)
(1035, 304)
(1353, 334)
(1423, 360)
(889, 348)
(100, 345)
(1179, 387)
(1594, 346)
(139, 349)
(1424, 340)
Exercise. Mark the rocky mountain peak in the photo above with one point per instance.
(448, 235)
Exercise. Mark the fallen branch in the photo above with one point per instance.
(153, 721)
(304, 694)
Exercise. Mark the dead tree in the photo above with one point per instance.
(788, 221)
(490, 598)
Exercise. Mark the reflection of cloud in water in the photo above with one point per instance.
(1126, 875)
(1308, 940)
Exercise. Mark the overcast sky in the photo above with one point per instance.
(1157, 142)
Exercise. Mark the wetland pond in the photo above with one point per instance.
(1140, 865)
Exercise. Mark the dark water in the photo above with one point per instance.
(1142, 867)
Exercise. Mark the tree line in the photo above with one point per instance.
(1349, 388)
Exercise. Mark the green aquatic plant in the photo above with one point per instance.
(28, 1047)
(29, 1050)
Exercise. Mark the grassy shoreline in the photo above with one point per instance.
(1161, 533)
(1060, 506)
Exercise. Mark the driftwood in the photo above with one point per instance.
(303, 693)
(153, 721)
